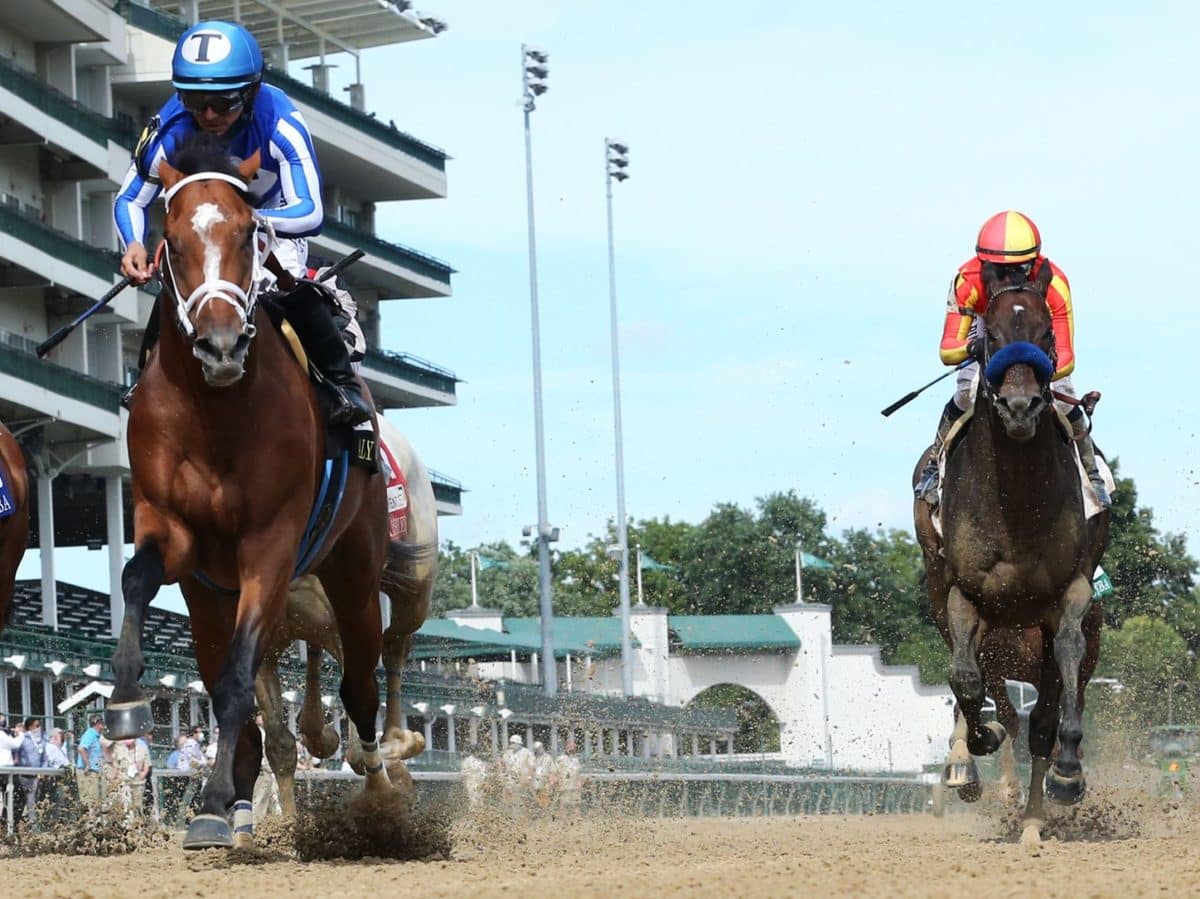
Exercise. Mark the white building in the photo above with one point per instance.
(78, 78)
(836, 706)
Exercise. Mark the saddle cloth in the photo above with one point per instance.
(396, 481)
(7, 506)
(1091, 503)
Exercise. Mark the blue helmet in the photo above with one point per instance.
(216, 56)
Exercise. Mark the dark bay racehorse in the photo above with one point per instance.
(1017, 554)
(14, 526)
(226, 447)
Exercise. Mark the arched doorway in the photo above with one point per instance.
(758, 727)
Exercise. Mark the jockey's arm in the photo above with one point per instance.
(300, 212)
(960, 314)
(1062, 320)
(138, 190)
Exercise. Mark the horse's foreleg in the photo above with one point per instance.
(1064, 781)
(128, 713)
(260, 611)
(405, 743)
(320, 738)
(280, 742)
(1043, 727)
(247, 764)
(966, 680)
(1006, 714)
(361, 633)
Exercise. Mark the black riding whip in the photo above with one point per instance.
(61, 334)
(909, 397)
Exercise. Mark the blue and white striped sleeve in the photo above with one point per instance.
(134, 198)
(301, 211)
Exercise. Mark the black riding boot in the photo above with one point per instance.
(927, 483)
(312, 320)
(149, 339)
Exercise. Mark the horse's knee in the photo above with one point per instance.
(143, 574)
(966, 681)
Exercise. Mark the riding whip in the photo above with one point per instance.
(909, 397)
(61, 334)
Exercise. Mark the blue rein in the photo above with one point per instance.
(1023, 353)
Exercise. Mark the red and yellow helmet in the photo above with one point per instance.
(1008, 238)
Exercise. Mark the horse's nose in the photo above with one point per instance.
(1022, 407)
(222, 346)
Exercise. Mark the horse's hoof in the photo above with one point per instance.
(1031, 838)
(1064, 789)
(988, 740)
(128, 720)
(970, 792)
(243, 841)
(326, 744)
(958, 775)
(208, 832)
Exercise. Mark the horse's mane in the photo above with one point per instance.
(203, 152)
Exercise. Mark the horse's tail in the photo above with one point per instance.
(404, 563)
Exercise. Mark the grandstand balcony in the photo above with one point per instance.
(403, 381)
(447, 492)
(390, 269)
(35, 255)
(75, 408)
(71, 141)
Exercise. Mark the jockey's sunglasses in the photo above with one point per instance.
(222, 104)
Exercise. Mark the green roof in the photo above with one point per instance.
(582, 635)
(740, 633)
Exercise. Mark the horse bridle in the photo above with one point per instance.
(242, 299)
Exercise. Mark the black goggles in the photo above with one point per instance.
(222, 103)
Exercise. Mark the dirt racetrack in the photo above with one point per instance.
(965, 854)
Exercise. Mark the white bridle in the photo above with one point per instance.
(242, 299)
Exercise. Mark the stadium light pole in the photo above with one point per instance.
(616, 163)
(533, 85)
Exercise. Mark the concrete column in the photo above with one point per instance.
(554, 739)
(503, 734)
(695, 745)
(615, 736)
(473, 730)
(496, 746)
(712, 741)
(451, 737)
(729, 745)
(174, 718)
(646, 745)
(45, 497)
(115, 516)
(429, 732)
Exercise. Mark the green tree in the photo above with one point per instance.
(1152, 574)
(1155, 668)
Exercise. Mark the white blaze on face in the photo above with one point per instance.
(1018, 309)
(203, 219)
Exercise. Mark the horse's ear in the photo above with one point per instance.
(168, 175)
(249, 168)
(1043, 278)
(991, 278)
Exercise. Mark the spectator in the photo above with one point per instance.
(58, 760)
(543, 771)
(266, 790)
(148, 783)
(130, 768)
(474, 775)
(568, 781)
(89, 764)
(9, 744)
(172, 787)
(173, 755)
(192, 760)
(210, 751)
(304, 759)
(518, 771)
(32, 754)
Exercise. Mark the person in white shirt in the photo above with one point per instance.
(474, 774)
(543, 773)
(518, 771)
(568, 781)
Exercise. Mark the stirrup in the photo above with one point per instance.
(927, 484)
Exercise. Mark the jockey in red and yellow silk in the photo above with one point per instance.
(1011, 241)
(968, 300)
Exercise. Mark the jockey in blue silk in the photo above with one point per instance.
(217, 73)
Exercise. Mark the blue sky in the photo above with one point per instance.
(805, 180)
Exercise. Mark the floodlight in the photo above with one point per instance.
(449, 708)
(537, 55)
(505, 713)
(290, 695)
(168, 680)
(421, 707)
(56, 666)
(197, 686)
(92, 670)
(618, 147)
(17, 661)
(478, 711)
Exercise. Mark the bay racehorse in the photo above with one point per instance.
(1016, 554)
(226, 450)
(310, 618)
(14, 517)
